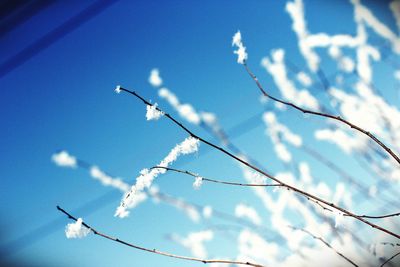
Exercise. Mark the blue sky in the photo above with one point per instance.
(63, 98)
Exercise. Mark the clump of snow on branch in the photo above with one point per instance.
(64, 159)
(198, 181)
(152, 113)
(146, 177)
(241, 49)
(118, 89)
(154, 78)
(76, 229)
(248, 212)
(277, 68)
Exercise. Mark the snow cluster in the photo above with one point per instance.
(241, 49)
(146, 177)
(76, 229)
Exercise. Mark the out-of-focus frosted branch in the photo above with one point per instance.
(337, 118)
(325, 243)
(391, 258)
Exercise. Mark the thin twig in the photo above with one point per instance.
(323, 241)
(265, 185)
(295, 189)
(338, 118)
(214, 180)
(205, 261)
(380, 217)
(391, 258)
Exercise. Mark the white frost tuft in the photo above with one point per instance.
(76, 230)
(118, 89)
(198, 182)
(241, 49)
(152, 113)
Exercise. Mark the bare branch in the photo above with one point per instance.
(325, 243)
(380, 217)
(214, 180)
(290, 187)
(154, 251)
(337, 118)
(391, 258)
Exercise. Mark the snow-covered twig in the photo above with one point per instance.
(154, 251)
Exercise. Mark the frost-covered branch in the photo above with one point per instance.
(154, 251)
(289, 187)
